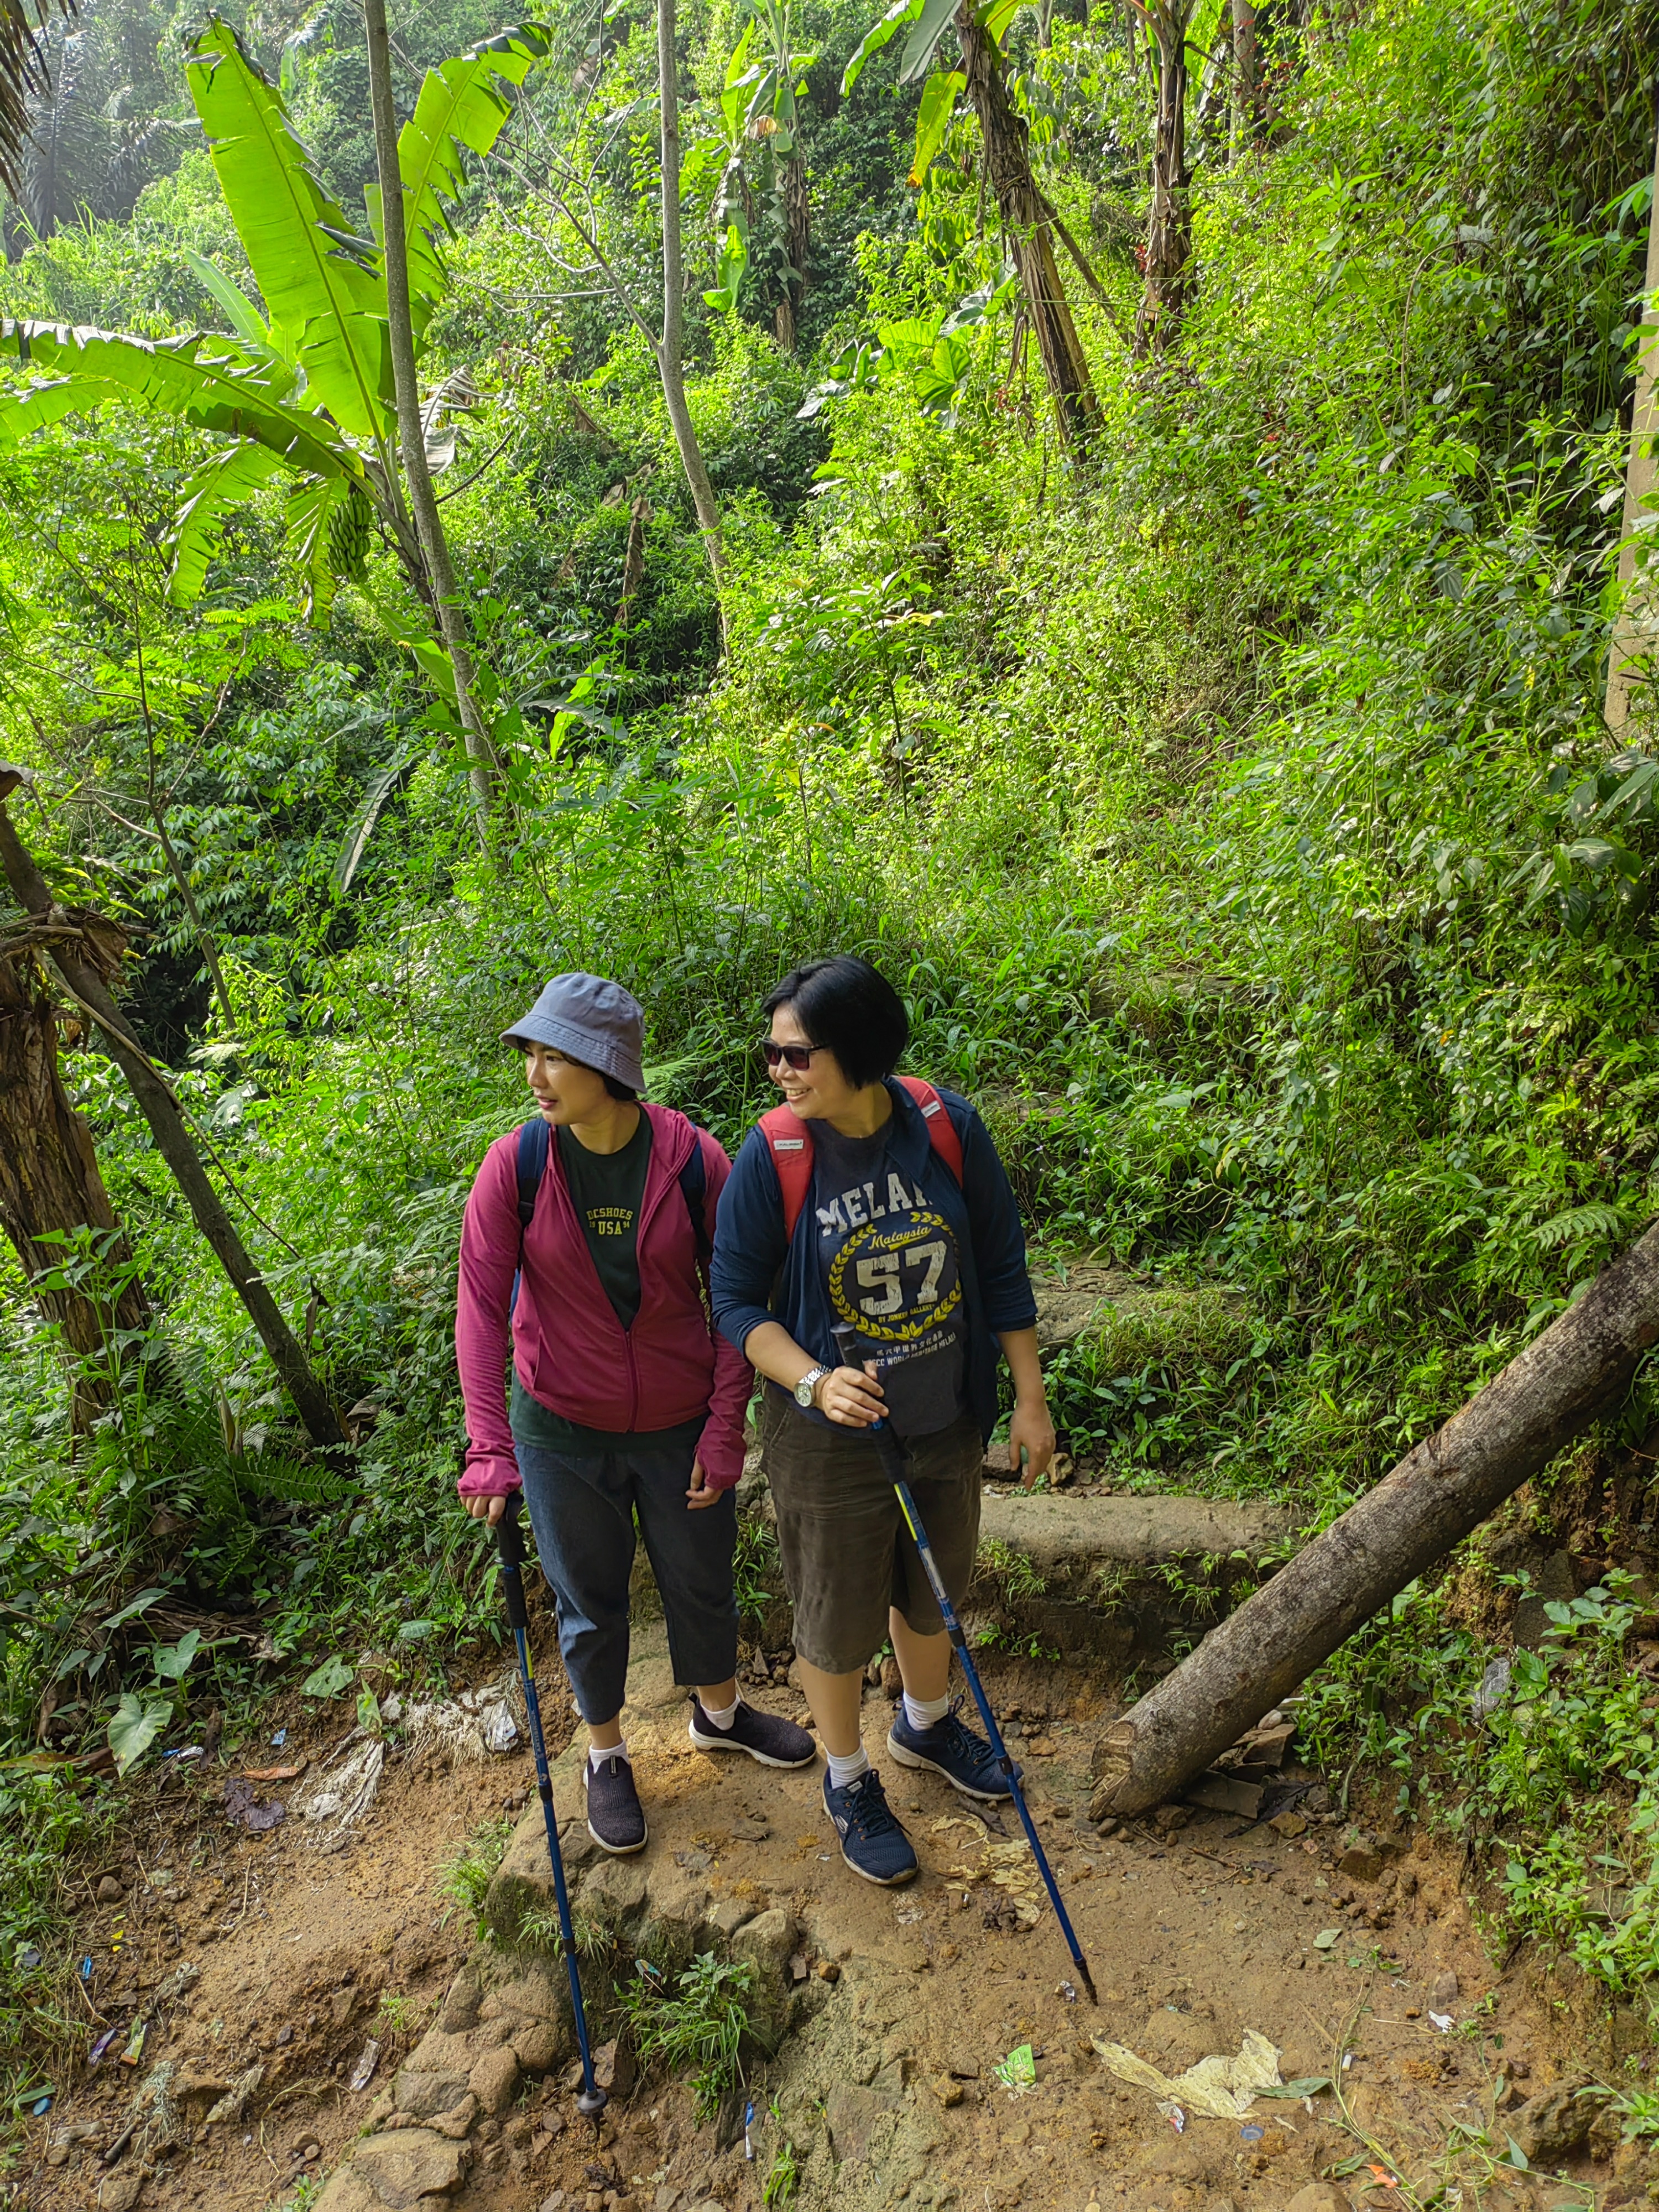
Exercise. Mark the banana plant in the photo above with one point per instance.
(759, 126)
(300, 386)
(1030, 225)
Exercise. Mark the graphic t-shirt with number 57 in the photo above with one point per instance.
(889, 1261)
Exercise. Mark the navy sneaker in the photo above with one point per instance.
(872, 1840)
(616, 1818)
(765, 1736)
(966, 1760)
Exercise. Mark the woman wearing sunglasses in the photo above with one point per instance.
(585, 1244)
(875, 1203)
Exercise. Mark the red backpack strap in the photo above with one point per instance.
(941, 1129)
(791, 1146)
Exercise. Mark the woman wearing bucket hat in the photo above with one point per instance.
(586, 1245)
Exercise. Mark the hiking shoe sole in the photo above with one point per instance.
(914, 1758)
(619, 1850)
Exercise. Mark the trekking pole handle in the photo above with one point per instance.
(889, 1450)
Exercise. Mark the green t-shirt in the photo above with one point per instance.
(606, 1189)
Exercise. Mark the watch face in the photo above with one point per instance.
(804, 1389)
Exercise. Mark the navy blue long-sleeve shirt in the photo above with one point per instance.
(757, 1276)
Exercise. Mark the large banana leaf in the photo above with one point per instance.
(319, 284)
(462, 108)
(203, 381)
(934, 118)
(902, 13)
(228, 480)
(311, 507)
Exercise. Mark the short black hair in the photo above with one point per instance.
(614, 1089)
(850, 1008)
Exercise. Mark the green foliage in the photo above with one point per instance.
(1012, 1571)
(465, 1875)
(1231, 805)
(1545, 1758)
(756, 1570)
(696, 2027)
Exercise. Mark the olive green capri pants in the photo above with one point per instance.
(847, 1556)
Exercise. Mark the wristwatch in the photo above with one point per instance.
(808, 1383)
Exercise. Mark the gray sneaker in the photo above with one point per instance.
(616, 1818)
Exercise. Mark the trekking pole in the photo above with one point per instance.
(592, 2100)
(890, 1452)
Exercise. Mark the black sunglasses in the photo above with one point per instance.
(798, 1056)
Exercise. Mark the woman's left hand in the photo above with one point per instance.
(1032, 1431)
(702, 1492)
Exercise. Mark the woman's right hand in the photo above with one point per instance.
(487, 1509)
(851, 1399)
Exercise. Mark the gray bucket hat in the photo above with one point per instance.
(591, 1020)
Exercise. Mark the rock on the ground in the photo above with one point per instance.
(423, 2095)
(1444, 1994)
(404, 2167)
(613, 1893)
(851, 2116)
(728, 1916)
(195, 2082)
(1554, 2124)
(459, 2010)
(534, 1992)
(458, 2121)
(347, 2192)
(1318, 2196)
(613, 2068)
(674, 1917)
(1361, 1861)
(539, 2045)
(766, 1942)
(122, 2192)
(495, 2079)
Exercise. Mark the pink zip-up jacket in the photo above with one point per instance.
(569, 1349)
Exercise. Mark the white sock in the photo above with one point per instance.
(721, 1716)
(924, 1712)
(843, 1771)
(596, 1758)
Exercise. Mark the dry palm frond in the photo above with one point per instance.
(21, 73)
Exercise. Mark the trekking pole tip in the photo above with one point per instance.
(590, 2103)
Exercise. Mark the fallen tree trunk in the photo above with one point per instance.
(1440, 1492)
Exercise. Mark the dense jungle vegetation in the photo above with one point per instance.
(1212, 744)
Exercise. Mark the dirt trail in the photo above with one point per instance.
(901, 2002)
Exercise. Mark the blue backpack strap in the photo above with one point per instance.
(533, 1140)
(694, 1188)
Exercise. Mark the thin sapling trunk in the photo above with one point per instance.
(411, 436)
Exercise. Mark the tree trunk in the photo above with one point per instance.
(1169, 227)
(1246, 75)
(797, 247)
(1028, 223)
(411, 436)
(1438, 1494)
(1636, 630)
(671, 347)
(172, 1139)
(49, 1178)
